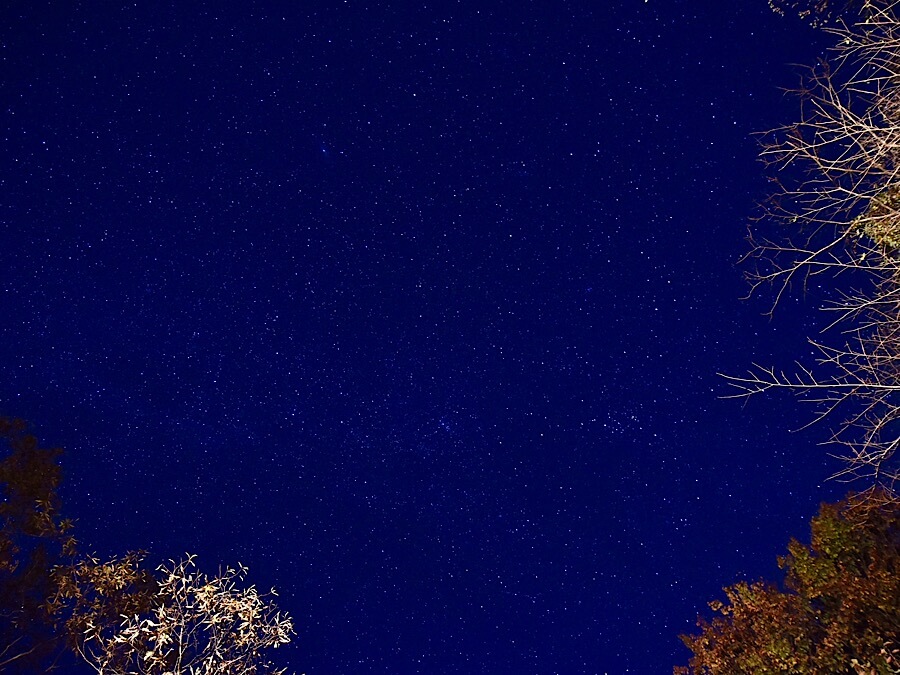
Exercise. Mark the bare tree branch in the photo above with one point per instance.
(843, 220)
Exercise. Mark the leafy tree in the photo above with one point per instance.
(186, 623)
(92, 597)
(839, 611)
(116, 616)
(33, 538)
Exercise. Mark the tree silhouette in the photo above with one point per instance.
(839, 611)
(116, 616)
(33, 538)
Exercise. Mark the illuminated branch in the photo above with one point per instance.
(844, 220)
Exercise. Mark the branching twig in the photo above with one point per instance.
(844, 220)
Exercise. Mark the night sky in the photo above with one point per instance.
(416, 309)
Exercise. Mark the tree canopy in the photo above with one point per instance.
(837, 612)
(34, 538)
(57, 602)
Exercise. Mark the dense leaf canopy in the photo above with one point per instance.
(839, 609)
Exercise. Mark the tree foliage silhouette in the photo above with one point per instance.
(116, 616)
(839, 611)
(33, 539)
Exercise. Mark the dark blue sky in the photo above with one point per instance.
(414, 309)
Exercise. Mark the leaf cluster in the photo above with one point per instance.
(839, 609)
(117, 616)
(127, 620)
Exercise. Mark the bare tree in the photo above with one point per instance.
(189, 623)
(843, 220)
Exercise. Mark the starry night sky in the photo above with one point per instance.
(415, 309)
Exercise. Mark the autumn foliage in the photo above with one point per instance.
(117, 616)
(125, 619)
(839, 609)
